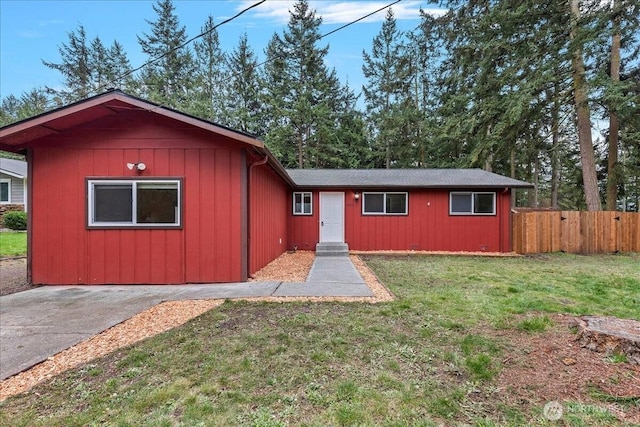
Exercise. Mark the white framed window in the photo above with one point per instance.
(302, 203)
(5, 191)
(119, 203)
(472, 203)
(385, 203)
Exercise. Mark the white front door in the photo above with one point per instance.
(331, 217)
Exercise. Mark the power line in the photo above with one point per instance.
(359, 19)
(151, 61)
(215, 27)
(266, 61)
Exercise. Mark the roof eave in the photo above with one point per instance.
(39, 122)
(407, 187)
(10, 173)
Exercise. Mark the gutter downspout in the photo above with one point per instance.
(251, 166)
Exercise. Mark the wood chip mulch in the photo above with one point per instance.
(289, 267)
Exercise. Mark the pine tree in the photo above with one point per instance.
(168, 77)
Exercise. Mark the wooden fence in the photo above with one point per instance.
(576, 232)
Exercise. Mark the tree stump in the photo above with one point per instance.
(610, 335)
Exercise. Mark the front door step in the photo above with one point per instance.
(332, 249)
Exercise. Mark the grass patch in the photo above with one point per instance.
(421, 360)
(13, 243)
(534, 324)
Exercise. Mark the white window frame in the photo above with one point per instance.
(303, 194)
(8, 181)
(384, 203)
(91, 223)
(472, 195)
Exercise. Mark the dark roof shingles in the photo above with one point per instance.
(402, 178)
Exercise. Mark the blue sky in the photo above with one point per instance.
(32, 30)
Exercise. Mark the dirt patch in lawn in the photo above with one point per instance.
(553, 366)
(537, 368)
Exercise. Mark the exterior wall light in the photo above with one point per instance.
(138, 166)
(356, 195)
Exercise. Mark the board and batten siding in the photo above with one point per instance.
(268, 217)
(206, 249)
(427, 227)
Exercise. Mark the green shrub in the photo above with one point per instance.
(15, 220)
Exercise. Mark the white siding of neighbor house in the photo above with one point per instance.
(17, 189)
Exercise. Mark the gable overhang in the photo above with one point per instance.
(17, 136)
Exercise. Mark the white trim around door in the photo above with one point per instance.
(331, 217)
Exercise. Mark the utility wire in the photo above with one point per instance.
(282, 55)
(151, 61)
(359, 19)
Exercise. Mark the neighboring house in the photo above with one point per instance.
(13, 186)
(128, 192)
(13, 182)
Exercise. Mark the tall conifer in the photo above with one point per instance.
(168, 77)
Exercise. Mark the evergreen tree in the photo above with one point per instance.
(168, 76)
(209, 80)
(243, 97)
(505, 82)
(89, 67)
(109, 67)
(9, 110)
(350, 149)
(301, 93)
(74, 67)
(29, 104)
(583, 114)
(118, 69)
(391, 110)
(425, 49)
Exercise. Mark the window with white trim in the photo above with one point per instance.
(134, 203)
(384, 203)
(5, 191)
(472, 203)
(302, 203)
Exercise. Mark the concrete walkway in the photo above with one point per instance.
(41, 322)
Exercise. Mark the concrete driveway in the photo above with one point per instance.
(41, 322)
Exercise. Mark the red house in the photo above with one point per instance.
(124, 191)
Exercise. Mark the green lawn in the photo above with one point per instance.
(13, 244)
(429, 358)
